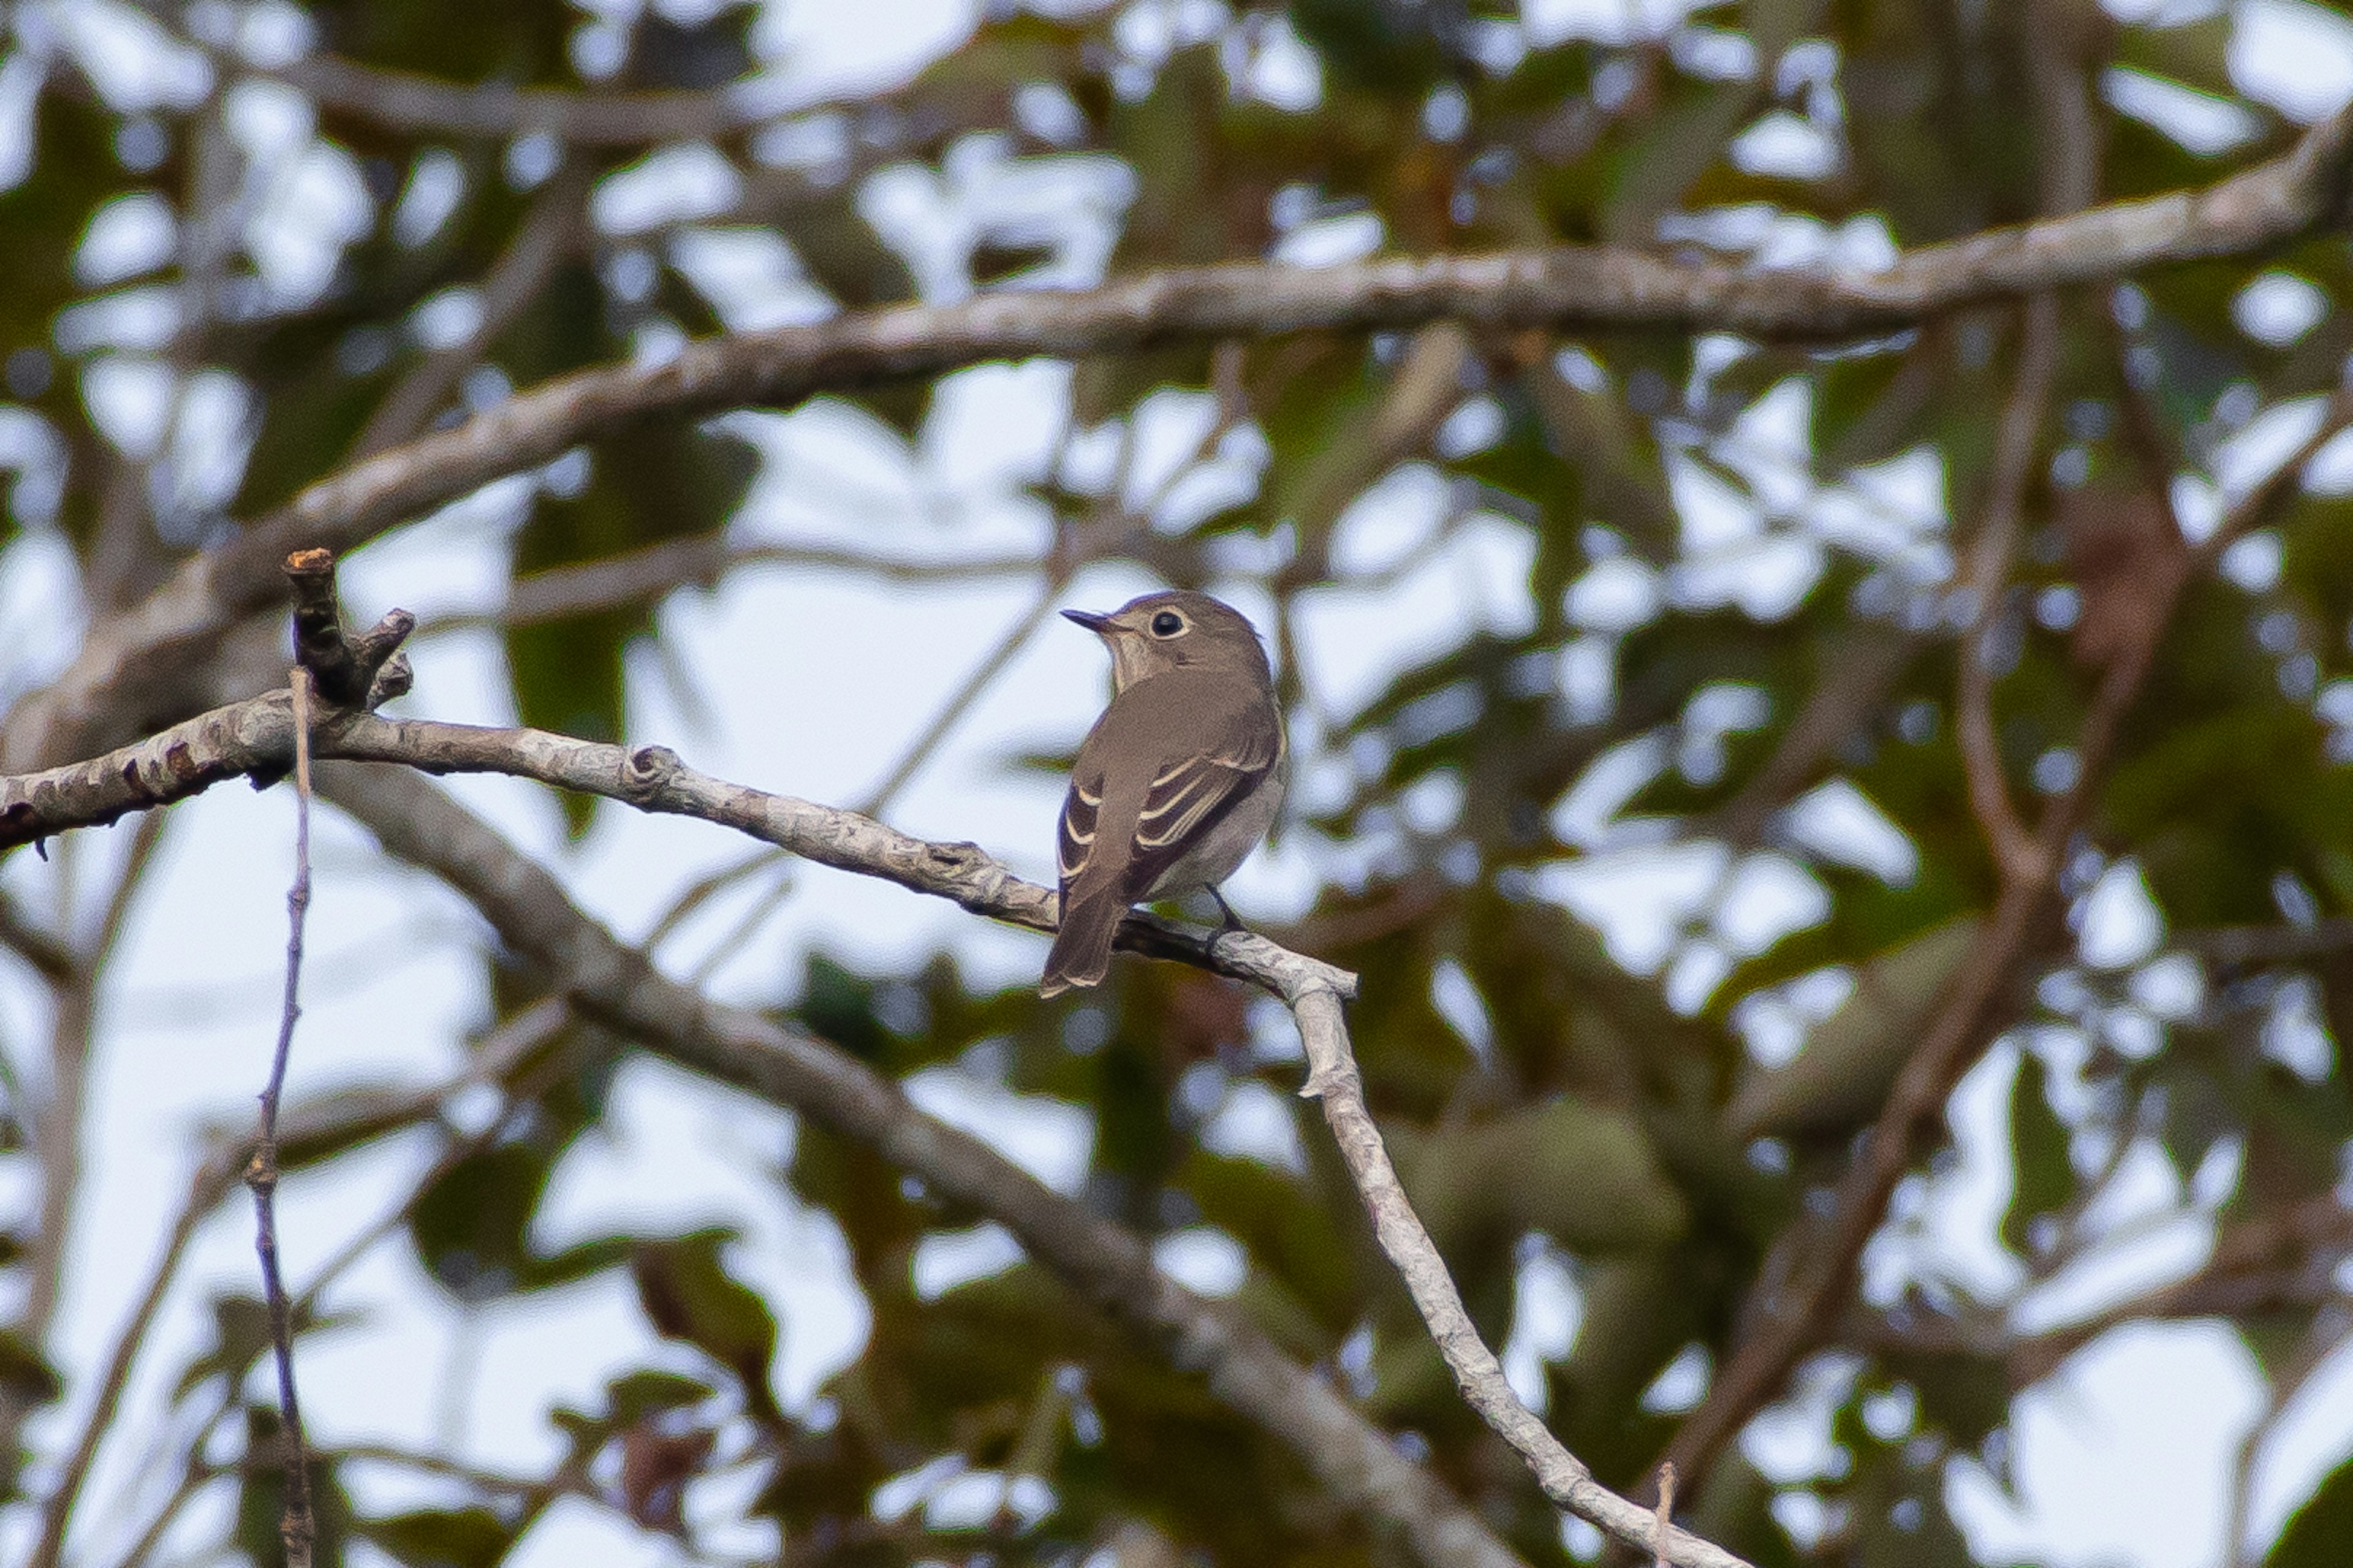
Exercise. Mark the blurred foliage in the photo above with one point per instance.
(1728, 634)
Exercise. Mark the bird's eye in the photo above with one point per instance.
(1168, 624)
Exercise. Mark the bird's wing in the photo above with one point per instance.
(1188, 795)
(1157, 808)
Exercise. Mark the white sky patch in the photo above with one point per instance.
(446, 318)
(1773, 1023)
(1892, 512)
(1637, 899)
(1547, 1309)
(40, 609)
(133, 61)
(1950, 1229)
(1681, 1384)
(2295, 57)
(21, 76)
(1765, 578)
(2311, 1439)
(1330, 241)
(1770, 447)
(1551, 22)
(885, 43)
(2254, 452)
(1202, 1258)
(1255, 1121)
(2254, 562)
(2279, 308)
(1840, 822)
(1456, 997)
(1071, 204)
(143, 318)
(132, 233)
(2159, 1236)
(2123, 1455)
(2203, 122)
(130, 400)
(436, 184)
(212, 434)
(1267, 59)
(944, 1260)
(306, 207)
(2117, 923)
(1354, 641)
(750, 277)
(683, 183)
(1051, 1139)
(1614, 596)
(1787, 146)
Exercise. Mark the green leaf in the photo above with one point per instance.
(1839, 1078)
(2042, 1179)
(688, 1295)
(2319, 1534)
(438, 1537)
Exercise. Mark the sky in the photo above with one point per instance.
(2120, 1457)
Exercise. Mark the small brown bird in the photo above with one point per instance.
(1178, 781)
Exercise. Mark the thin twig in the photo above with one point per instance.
(212, 1181)
(1334, 1082)
(2013, 848)
(952, 709)
(645, 575)
(295, 1525)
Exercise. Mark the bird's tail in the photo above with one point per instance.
(1081, 954)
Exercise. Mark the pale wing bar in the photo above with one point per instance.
(1079, 813)
(1184, 795)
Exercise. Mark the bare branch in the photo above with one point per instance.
(403, 100)
(257, 738)
(2006, 835)
(210, 1183)
(1105, 1262)
(1562, 288)
(548, 234)
(295, 1526)
(699, 560)
(1333, 1081)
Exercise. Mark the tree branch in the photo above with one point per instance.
(1564, 288)
(2026, 917)
(1104, 1261)
(1334, 1082)
(424, 105)
(295, 1525)
(2013, 848)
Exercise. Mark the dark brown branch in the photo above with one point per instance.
(295, 1525)
(2013, 847)
(1562, 288)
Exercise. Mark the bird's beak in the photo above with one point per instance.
(1099, 625)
